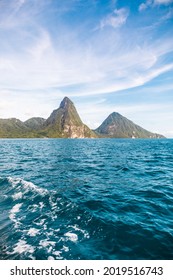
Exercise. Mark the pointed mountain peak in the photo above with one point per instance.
(118, 126)
(115, 114)
(65, 103)
(65, 122)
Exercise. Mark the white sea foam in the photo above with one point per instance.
(84, 232)
(45, 227)
(40, 223)
(17, 196)
(33, 231)
(57, 253)
(30, 185)
(65, 249)
(71, 236)
(50, 258)
(14, 181)
(50, 249)
(50, 233)
(46, 243)
(23, 247)
(18, 182)
(14, 210)
(41, 204)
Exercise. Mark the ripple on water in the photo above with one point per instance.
(108, 199)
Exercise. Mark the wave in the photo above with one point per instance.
(113, 201)
(40, 220)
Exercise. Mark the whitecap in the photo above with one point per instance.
(71, 236)
(50, 233)
(17, 196)
(14, 210)
(16, 182)
(40, 223)
(50, 258)
(33, 232)
(45, 227)
(49, 249)
(41, 204)
(23, 247)
(46, 243)
(84, 232)
(57, 253)
(65, 249)
(33, 187)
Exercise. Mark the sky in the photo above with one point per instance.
(105, 55)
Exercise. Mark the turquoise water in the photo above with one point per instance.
(86, 199)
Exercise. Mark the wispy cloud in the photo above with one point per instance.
(41, 46)
(115, 19)
(113, 69)
(153, 3)
(50, 49)
(162, 2)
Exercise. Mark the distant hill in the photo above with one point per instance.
(35, 123)
(12, 128)
(117, 126)
(65, 122)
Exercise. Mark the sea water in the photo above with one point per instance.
(86, 199)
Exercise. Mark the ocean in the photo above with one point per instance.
(84, 199)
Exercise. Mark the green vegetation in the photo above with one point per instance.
(65, 122)
(117, 126)
(34, 123)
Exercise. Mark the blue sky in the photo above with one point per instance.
(105, 55)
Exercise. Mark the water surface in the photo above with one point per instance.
(86, 199)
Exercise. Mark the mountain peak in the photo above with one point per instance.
(117, 126)
(65, 122)
(115, 114)
(65, 103)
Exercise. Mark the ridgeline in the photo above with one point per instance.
(65, 122)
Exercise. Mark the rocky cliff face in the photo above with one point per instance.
(65, 122)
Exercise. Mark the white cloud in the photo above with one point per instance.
(145, 5)
(42, 66)
(116, 19)
(93, 70)
(43, 44)
(162, 2)
(152, 3)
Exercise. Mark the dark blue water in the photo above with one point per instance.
(86, 199)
